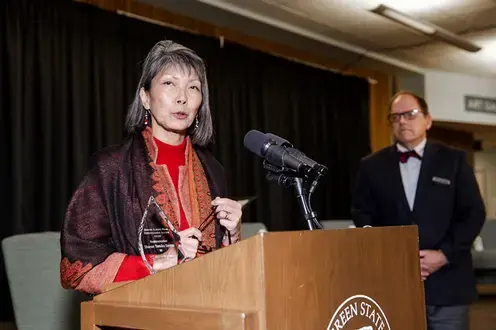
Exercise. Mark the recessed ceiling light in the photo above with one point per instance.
(426, 28)
(416, 6)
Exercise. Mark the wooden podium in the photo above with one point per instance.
(360, 278)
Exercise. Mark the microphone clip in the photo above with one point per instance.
(282, 175)
(303, 185)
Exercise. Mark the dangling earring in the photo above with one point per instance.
(147, 117)
(197, 123)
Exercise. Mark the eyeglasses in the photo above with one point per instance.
(202, 248)
(409, 115)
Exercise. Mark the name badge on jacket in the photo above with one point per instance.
(442, 181)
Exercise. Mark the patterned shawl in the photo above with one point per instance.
(102, 219)
(193, 189)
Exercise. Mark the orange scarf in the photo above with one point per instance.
(194, 192)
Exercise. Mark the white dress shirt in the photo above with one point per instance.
(410, 172)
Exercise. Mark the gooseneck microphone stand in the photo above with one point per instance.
(303, 186)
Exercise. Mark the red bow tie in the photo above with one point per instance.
(407, 154)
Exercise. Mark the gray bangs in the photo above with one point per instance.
(182, 61)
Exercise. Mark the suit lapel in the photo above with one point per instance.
(428, 161)
(397, 183)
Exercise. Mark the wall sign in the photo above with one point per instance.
(480, 104)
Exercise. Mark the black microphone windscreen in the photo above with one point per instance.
(254, 141)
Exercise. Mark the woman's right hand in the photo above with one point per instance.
(188, 246)
(190, 238)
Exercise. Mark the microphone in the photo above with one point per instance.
(279, 140)
(290, 167)
(320, 170)
(267, 146)
(292, 151)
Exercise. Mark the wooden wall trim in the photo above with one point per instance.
(380, 83)
(380, 132)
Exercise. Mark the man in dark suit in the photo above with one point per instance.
(432, 186)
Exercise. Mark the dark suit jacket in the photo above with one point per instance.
(449, 214)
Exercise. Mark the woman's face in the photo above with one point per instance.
(174, 98)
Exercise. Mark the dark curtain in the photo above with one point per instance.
(325, 115)
(68, 72)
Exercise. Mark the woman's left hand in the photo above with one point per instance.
(229, 214)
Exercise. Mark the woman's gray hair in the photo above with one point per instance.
(164, 54)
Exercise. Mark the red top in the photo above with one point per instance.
(132, 267)
(173, 157)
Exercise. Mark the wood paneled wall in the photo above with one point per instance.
(454, 138)
(380, 86)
